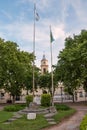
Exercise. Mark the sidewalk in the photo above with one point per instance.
(73, 122)
(2, 106)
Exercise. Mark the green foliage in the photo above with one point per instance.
(13, 108)
(83, 125)
(46, 100)
(45, 82)
(71, 68)
(29, 98)
(15, 68)
(62, 107)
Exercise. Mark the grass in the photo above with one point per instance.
(62, 107)
(63, 114)
(83, 125)
(24, 124)
(37, 124)
(5, 115)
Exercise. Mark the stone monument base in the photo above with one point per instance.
(31, 116)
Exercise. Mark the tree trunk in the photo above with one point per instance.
(13, 99)
(27, 92)
(73, 98)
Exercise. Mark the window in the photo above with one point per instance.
(85, 94)
(80, 94)
(1, 95)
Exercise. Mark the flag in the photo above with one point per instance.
(36, 14)
(51, 36)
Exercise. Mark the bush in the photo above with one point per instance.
(83, 125)
(62, 107)
(29, 98)
(46, 100)
(13, 108)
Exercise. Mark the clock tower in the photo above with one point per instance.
(44, 65)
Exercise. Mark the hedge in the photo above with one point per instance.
(29, 98)
(45, 100)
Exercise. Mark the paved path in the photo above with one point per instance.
(73, 122)
(1, 107)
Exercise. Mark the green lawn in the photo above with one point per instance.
(5, 115)
(63, 114)
(24, 124)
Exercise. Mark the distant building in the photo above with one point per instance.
(44, 65)
(59, 96)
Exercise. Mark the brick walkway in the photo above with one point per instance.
(73, 122)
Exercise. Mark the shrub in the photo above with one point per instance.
(46, 100)
(83, 125)
(29, 98)
(62, 107)
(13, 108)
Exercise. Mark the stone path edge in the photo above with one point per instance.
(61, 121)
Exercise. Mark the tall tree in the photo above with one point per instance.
(14, 65)
(72, 62)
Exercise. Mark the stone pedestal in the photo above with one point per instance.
(31, 116)
(33, 106)
(53, 109)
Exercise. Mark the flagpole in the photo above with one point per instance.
(34, 51)
(51, 69)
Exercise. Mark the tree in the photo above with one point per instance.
(72, 62)
(45, 82)
(14, 65)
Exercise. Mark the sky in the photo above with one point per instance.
(66, 17)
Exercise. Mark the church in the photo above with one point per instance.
(59, 95)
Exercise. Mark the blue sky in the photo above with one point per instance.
(66, 17)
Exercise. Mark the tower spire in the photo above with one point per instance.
(44, 58)
(44, 64)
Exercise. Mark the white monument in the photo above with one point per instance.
(31, 116)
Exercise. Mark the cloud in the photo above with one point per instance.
(22, 32)
(80, 9)
(51, 13)
(59, 31)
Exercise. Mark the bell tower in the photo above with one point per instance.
(44, 65)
